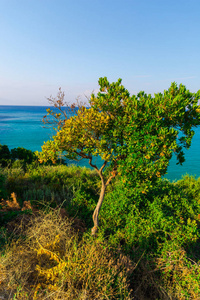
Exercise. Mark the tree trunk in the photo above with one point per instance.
(97, 209)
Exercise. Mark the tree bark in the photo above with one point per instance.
(97, 209)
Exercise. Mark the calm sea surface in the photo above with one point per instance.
(21, 126)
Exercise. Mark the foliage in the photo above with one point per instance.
(4, 155)
(161, 226)
(159, 126)
(180, 275)
(164, 213)
(52, 185)
(19, 153)
(134, 136)
(47, 182)
(17, 157)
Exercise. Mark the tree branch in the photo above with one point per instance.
(91, 164)
(103, 166)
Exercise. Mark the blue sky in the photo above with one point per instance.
(47, 44)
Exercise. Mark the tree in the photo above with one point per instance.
(134, 135)
(8, 157)
(20, 153)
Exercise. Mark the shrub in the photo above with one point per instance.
(154, 228)
(179, 274)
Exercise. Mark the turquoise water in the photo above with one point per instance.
(21, 126)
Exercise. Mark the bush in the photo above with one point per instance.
(153, 228)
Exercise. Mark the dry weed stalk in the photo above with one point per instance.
(10, 204)
(14, 205)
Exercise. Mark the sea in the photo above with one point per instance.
(21, 126)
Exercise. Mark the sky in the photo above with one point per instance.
(47, 44)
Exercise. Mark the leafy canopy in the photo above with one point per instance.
(158, 126)
(136, 134)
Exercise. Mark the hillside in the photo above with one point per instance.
(147, 246)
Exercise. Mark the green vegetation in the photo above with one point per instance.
(135, 136)
(20, 158)
(147, 246)
(17, 156)
(148, 242)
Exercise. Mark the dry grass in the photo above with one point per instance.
(53, 263)
(10, 204)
